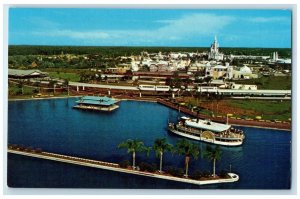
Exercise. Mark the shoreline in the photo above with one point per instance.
(263, 127)
(40, 98)
(141, 100)
(246, 123)
(147, 100)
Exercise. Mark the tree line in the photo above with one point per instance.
(114, 51)
(111, 51)
(182, 147)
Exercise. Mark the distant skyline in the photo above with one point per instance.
(149, 27)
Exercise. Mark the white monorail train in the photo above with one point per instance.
(209, 89)
(216, 90)
(145, 87)
(243, 92)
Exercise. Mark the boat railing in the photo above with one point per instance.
(190, 130)
(232, 133)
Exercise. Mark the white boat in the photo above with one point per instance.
(208, 131)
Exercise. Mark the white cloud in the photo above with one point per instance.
(200, 24)
(166, 21)
(171, 30)
(268, 19)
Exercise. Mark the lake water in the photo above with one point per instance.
(263, 162)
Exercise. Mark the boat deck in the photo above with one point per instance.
(223, 138)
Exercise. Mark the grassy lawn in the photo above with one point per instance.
(273, 83)
(16, 93)
(15, 90)
(267, 109)
(74, 77)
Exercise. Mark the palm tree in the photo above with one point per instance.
(134, 146)
(213, 154)
(184, 147)
(160, 146)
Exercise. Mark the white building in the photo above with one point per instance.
(243, 73)
(214, 51)
(276, 59)
(135, 65)
(229, 72)
(275, 56)
(242, 86)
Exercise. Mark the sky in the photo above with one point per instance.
(149, 27)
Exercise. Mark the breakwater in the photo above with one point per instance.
(232, 177)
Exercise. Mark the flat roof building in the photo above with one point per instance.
(97, 103)
(25, 74)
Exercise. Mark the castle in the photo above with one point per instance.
(214, 51)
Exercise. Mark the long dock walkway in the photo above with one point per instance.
(115, 167)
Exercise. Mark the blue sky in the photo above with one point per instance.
(149, 27)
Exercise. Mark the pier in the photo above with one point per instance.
(232, 177)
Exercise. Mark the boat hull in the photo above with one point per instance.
(211, 141)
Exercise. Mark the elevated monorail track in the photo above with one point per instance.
(209, 90)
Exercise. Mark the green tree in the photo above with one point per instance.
(134, 146)
(184, 147)
(84, 76)
(213, 154)
(160, 146)
(66, 84)
(21, 84)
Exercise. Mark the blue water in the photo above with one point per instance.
(263, 162)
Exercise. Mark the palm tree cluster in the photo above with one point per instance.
(182, 147)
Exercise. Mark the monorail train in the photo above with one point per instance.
(211, 89)
(144, 87)
(225, 92)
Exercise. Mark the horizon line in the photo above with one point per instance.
(143, 46)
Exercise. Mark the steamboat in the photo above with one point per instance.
(208, 131)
